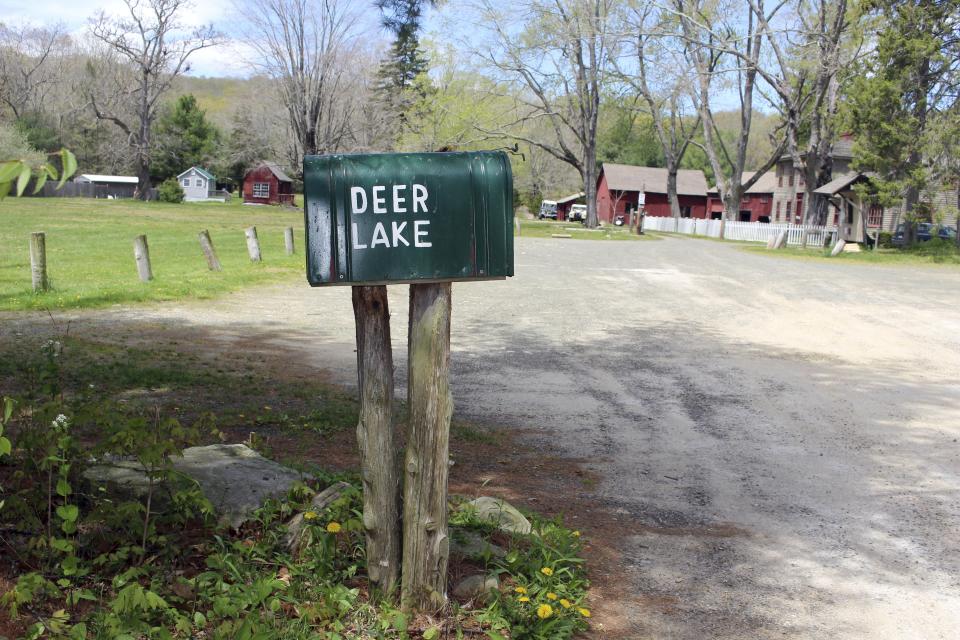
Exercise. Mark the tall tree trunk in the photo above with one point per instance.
(672, 190)
(379, 465)
(426, 547)
(590, 186)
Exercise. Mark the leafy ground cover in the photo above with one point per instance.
(90, 250)
(77, 564)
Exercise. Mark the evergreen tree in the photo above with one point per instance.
(184, 138)
(910, 78)
(400, 78)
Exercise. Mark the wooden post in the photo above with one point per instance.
(38, 261)
(142, 255)
(803, 238)
(723, 228)
(379, 463)
(253, 244)
(426, 547)
(288, 240)
(206, 244)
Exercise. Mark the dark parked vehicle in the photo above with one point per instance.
(924, 232)
(947, 233)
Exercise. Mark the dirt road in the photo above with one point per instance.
(779, 438)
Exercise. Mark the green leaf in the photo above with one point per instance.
(9, 170)
(68, 512)
(23, 179)
(199, 620)
(63, 489)
(69, 163)
(7, 408)
(69, 528)
(431, 634)
(61, 545)
(5, 188)
(5, 446)
(79, 631)
(41, 179)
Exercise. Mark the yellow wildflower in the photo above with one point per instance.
(584, 612)
(576, 534)
(310, 515)
(544, 611)
(520, 590)
(523, 599)
(551, 595)
(547, 571)
(565, 603)
(333, 527)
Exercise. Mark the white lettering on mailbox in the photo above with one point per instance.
(379, 235)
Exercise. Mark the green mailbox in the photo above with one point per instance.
(377, 218)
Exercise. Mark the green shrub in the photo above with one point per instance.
(886, 239)
(170, 191)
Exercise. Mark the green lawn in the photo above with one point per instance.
(547, 228)
(90, 250)
(934, 252)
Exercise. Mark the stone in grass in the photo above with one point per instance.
(838, 248)
(471, 545)
(234, 478)
(476, 587)
(499, 512)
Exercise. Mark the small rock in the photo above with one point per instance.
(501, 513)
(472, 545)
(477, 587)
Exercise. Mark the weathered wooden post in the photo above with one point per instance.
(288, 240)
(426, 219)
(38, 261)
(803, 238)
(206, 245)
(378, 450)
(253, 244)
(141, 253)
(426, 547)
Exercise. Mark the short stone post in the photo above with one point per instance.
(771, 240)
(838, 248)
(141, 253)
(288, 240)
(781, 240)
(206, 245)
(253, 244)
(426, 547)
(803, 238)
(38, 261)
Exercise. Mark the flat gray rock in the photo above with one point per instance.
(472, 545)
(234, 478)
(501, 513)
(476, 587)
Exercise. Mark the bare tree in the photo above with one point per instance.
(155, 49)
(305, 45)
(557, 68)
(31, 62)
(665, 92)
(723, 45)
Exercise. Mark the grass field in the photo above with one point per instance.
(934, 252)
(547, 229)
(90, 250)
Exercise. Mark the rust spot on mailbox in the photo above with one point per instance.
(378, 218)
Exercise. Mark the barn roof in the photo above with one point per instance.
(842, 183)
(96, 177)
(625, 177)
(765, 184)
(571, 197)
(206, 174)
(277, 171)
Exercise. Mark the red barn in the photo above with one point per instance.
(267, 184)
(756, 204)
(620, 185)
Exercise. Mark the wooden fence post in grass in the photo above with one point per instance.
(426, 547)
(253, 244)
(38, 262)
(206, 244)
(803, 238)
(142, 255)
(288, 240)
(379, 464)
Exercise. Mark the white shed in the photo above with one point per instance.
(197, 184)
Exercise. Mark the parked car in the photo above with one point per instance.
(578, 213)
(924, 232)
(947, 233)
(548, 209)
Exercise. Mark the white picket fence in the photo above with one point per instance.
(817, 236)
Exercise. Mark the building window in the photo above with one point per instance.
(777, 218)
(779, 179)
(684, 212)
(199, 182)
(185, 182)
(800, 180)
(875, 216)
(789, 209)
(261, 189)
(790, 181)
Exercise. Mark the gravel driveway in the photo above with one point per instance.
(780, 436)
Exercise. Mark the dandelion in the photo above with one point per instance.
(547, 571)
(310, 515)
(565, 603)
(576, 534)
(544, 611)
(551, 595)
(584, 612)
(523, 599)
(520, 590)
(333, 527)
